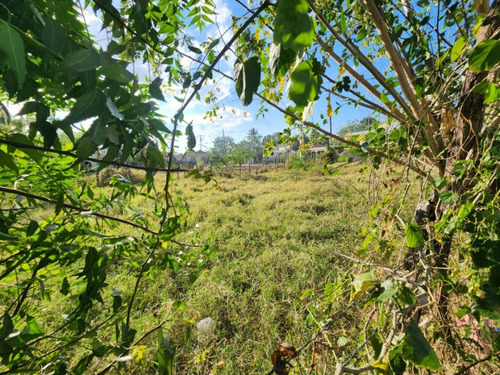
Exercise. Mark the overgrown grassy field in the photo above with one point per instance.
(274, 236)
(271, 272)
(266, 256)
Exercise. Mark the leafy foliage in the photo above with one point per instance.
(84, 99)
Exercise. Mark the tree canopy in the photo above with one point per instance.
(431, 66)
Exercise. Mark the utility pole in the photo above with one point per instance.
(329, 136)
(224, 141)
(201, 146)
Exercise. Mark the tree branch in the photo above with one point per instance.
(343, 140)
(358, 77)
(75, 208)
(355, 51)
(73, 155)
(405, 77)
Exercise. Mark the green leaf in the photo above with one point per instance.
(361, 284)
(195, 50)
(280, 59)
(417, 349)
(191, 143)
(7, 326)
(154, 89)
(32, 227)
(247, 79)
(459, 169)
(485, 56)
(7, 161)
(343, 23)
(305, 85)
(82, 365)
(306, 294)
(65, 286)
(117, 300)
(414, 236)
(490, 91)
(32, 326)
(111, 152)
(405, 296)
(88, 105)
(389, 289)
(457, 49)
(342, 341)
(293, 28)
(164, 354)
(85, 148)
(139, 110)
(159, 125)
(59, 203)
(81, 60)
(53, 35)
(12, 46)
(117, 73)
(448, 197)
(113, 109)
(113, 134)
(439, 182)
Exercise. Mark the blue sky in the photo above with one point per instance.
(234, 119)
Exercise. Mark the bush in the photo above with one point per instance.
(298, 162)
(133, 176)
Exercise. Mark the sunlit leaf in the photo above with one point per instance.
(485, 55)
(247, 79)
(305, 84)
(280, 59)
(361, 284)
(457, 48)
(293, 28)
(414, 236)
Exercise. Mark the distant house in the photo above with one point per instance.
(360, 136)
(194, 157)
(318, 149)
(279, 153)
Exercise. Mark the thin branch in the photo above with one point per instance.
(64, 346)
(146, 334)
(355, 51)
(75, 208)
(363, 102)
(387, 269)
(466, 369)
(358, 77)
(343, 140)
(73, 155)
(404, 75)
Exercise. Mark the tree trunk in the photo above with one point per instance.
(464, 145)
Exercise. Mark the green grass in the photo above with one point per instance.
(266, 247)
(274, 236)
